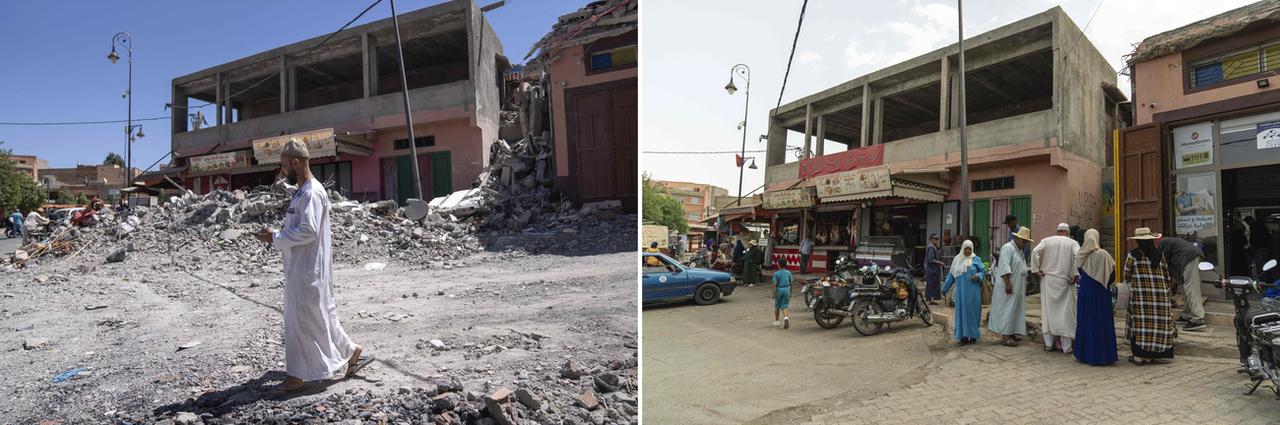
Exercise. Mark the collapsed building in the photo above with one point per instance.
(343, 97)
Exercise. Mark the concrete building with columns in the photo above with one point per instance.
(881, 152)
(344, 98)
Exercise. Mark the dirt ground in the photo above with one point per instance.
(727, 364)
(506, 320)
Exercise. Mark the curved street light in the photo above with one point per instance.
(125, 40)
(743, 71)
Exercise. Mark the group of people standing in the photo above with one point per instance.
(1076, 302)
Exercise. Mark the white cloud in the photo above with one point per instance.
(808, 56)
(856, 56)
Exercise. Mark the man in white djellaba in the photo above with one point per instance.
(1053, 261)
(315, 345)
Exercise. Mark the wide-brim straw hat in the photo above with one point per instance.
(1024, 233)
(1144, 233)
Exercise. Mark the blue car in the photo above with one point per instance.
(668, 280)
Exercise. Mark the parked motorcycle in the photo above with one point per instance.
(873, 300)
(700, 260)
(892, 300)
(813, 288)
(1257, 330)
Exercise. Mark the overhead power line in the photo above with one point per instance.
(82, 122)
(794, 41)
(250, 87)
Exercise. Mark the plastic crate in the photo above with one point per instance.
(836, 294)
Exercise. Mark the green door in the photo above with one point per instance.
(404, 179)
(441, 174)
(980, 226)
(1020, 207)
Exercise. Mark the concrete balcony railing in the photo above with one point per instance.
(1039, 126)
(456, 95)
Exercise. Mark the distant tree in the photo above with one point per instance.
(64, 197)
(17, 189)
(81, 199)
(659, 208)
(113, 159)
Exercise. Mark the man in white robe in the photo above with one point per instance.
(1052, 260)
(1008, 300)
(315, 345)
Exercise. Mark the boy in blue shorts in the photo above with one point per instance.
(781, 294)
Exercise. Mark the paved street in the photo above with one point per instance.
(725, 364)
(7, 245)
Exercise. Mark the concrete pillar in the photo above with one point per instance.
(808, 119)
(365, 59)
(776, 151)
(217, 97)
(179, 109)
(955, 100)
(226, 100)
(943, 79)
(864, 138)
(879, 124)
(822, 133)
(293, 87)
(284, 84)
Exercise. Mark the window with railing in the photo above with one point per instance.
(1235, 64)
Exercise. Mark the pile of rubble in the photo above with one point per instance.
(512, 207)
(219, 228)
(605, 394)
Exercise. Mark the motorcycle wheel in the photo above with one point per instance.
(824, 318)
(862, 309)
(808, 298)
(925, 314)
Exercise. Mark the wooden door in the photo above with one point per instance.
(1142, 181)
(602, 141)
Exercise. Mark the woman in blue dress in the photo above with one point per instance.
(1095, 341)
(966, 275)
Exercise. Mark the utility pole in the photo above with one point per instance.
(408, 115)
(964, 145)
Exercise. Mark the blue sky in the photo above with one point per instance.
(55, 64)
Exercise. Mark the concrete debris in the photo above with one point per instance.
(116, 256)
(187, 418)
(373, 267)
(588, 400)
(34, 343)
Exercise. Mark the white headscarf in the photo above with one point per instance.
(962, 262)
(1094, 260)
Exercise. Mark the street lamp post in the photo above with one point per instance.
(126, 41)
(744, 71)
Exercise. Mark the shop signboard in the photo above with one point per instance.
(220, 161)
(786, 199)
(854, 182)
(320, 143)
(851, 159)
(1269, 134)
(1193, 145)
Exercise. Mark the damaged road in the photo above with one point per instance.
(551, 330)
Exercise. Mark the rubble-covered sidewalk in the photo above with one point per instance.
(501, 304)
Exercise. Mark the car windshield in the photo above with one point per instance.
(659, 264)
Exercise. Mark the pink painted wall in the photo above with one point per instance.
(567, 72)
(458, 136)
(1159, 81)
(1063, 187)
